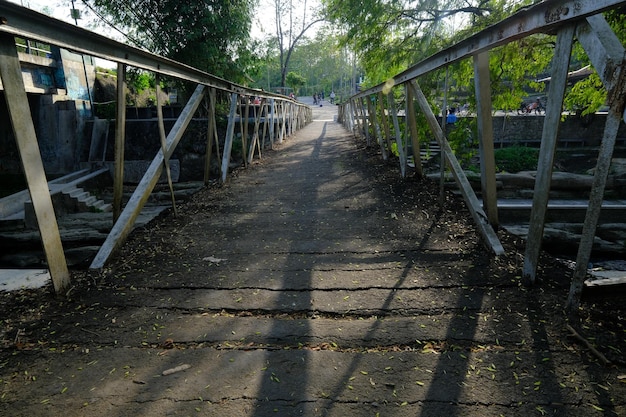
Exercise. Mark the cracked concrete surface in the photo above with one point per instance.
(341, 290)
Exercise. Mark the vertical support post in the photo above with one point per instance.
(283, 120)
(361, 117)
(442, 158)
(482, 85)
(613, 120)
(26, 139)
(244, 135)
(266, 117)
(230, 133)
(374, 118)
(254, 143)
(396, 127)
(120, 134)
(355, 118)
(412, 122)
(385, 120)
(366, 121)
(124, 224)
(608, 57)
(280, 108)
(211, 134)
(272, 121)
(465, 187)
(358, 110)
(560, 64)
(162, 137)
(292, 118)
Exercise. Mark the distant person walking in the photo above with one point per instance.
(332, 97)
(451, 118)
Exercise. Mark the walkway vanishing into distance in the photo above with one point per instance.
(315, 283)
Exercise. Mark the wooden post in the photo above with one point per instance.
(244, 133)
(279, 110)
(272, 120)
(608, 57)
(379, 139)
(26, 140)
(482, 85)
(364, 121)
(465, 187)
(560, 67)
(354, 120)
(385, 120)
(254, 143)
(358, 111)
(230, 133)
(120, 134)
(162, 137)
(266, 118)
(444, 121)
(211, 135)
(412, 122)
(396, 127)
(125, 222)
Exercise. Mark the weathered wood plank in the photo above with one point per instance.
(120, 135)
(230, 134)
(211, 136)
(163, 139)
(473, 204)
(254, 143)
(374, 121)
(385, 121)
(124, 223)
(608, 56)
(482, 85)
(415, 141)
(398, 135)
(26, 140)
(560, 68)
(365, 120)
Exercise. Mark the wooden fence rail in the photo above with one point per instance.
(567, 18)
(283, 116)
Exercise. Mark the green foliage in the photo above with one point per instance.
(295, 81)
(211, 35)
(516, 158)
(462, 139)
(586, 96)
(320, 61)
(140, 81)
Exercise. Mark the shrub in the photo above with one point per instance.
(516, 158)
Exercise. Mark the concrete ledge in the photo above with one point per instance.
(135, 170)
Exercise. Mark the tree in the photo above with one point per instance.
(291, 26)
(295, 81)
(211, 35)
(323, 64)
(388, 35)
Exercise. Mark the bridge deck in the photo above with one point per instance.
(313, 283)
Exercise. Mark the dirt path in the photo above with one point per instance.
(315, 283)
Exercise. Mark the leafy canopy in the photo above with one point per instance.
(211, 35)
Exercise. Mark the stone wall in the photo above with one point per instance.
(574, 129)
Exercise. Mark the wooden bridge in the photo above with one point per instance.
(569, 19)
(317, 283)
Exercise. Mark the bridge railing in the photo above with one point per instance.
(568, 19)
(281, 115)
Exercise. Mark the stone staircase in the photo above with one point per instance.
(67, 197)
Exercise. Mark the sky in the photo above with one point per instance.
(262, 24)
